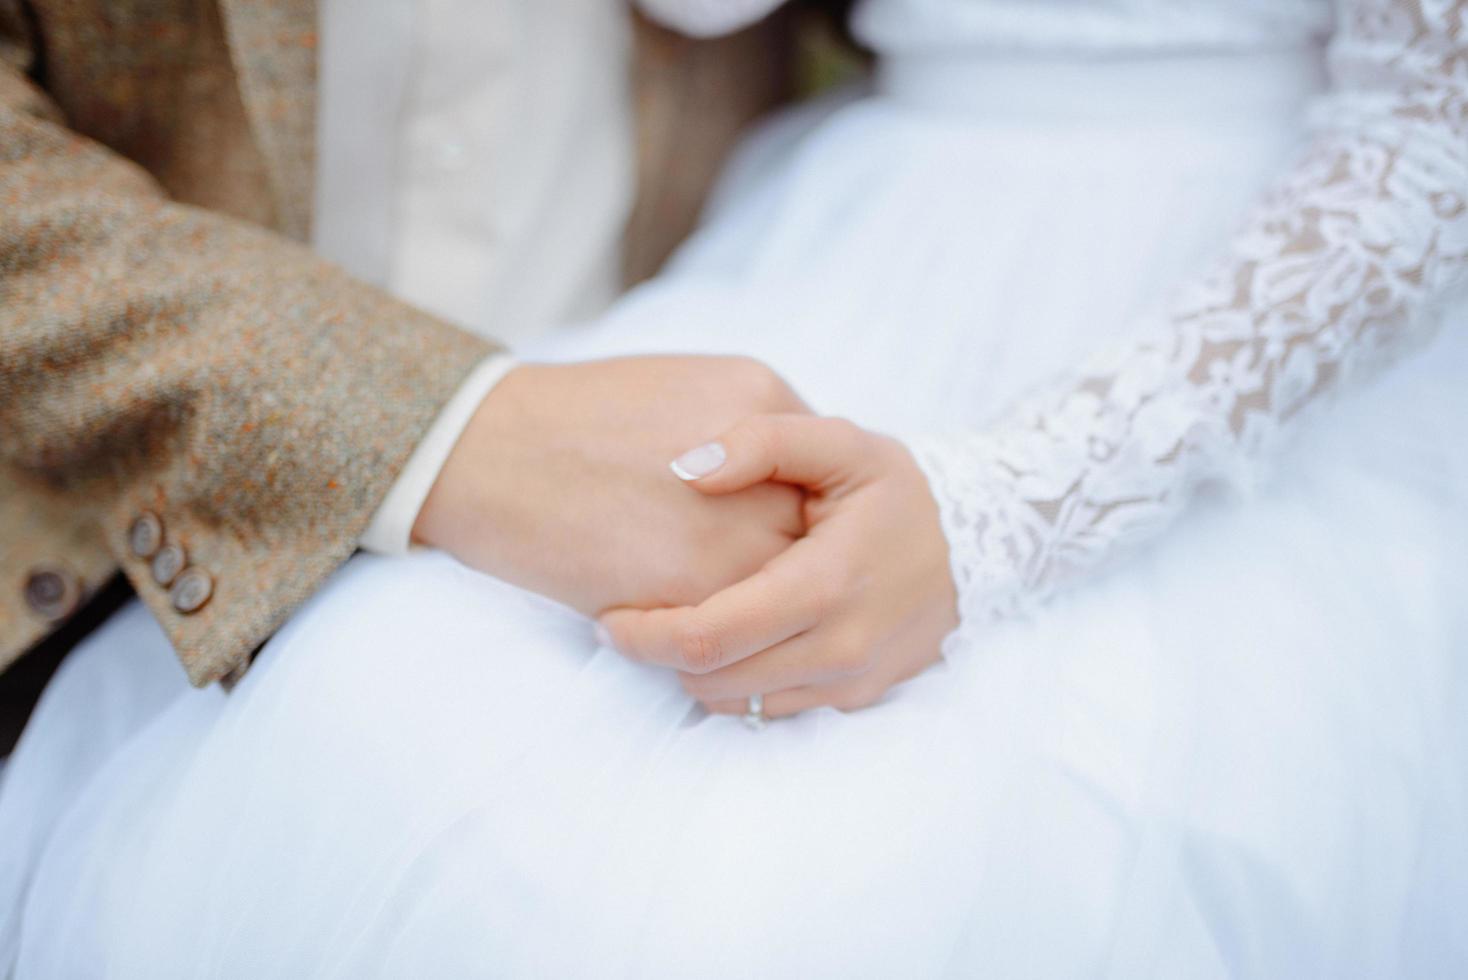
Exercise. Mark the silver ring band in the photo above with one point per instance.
(754, 713)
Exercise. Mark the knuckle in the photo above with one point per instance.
(857, 697)
(847, 663)
(762, 436)
(700, 648)
(851, 652)
(824, 595)
(852, 663)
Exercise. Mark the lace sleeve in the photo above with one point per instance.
(707, 18)
(1346, 263)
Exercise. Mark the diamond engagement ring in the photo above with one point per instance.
(754, 714)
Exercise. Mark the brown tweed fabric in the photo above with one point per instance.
(274, 45)
(159, 355)
(161, 350)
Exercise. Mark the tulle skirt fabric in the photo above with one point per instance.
(1241, 751)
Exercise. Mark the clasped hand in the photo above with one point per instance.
(795, 557)
(859, 603)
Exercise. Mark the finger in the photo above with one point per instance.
(801, 661)
(785, 598)
(804, 450)
(844, 696)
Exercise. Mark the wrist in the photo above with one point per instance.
(392, 526)
(468, 488)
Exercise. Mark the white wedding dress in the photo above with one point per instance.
(1177, 329)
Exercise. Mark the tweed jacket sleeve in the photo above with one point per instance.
(199, 393)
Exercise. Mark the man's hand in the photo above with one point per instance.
(560, 483)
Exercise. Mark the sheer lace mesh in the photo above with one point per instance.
(1343, 266)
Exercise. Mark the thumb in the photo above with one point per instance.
(804, 450)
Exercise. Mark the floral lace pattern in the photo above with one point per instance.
(1347, 263)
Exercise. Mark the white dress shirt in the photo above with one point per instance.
(475, 158)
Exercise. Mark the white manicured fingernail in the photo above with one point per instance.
(603, 638)
(699, 463)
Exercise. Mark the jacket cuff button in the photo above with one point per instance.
(168, 562)
(145, 536)
(192, 591)
(53, 592)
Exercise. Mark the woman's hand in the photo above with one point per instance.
(860, 603)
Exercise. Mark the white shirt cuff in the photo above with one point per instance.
(391, 530)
